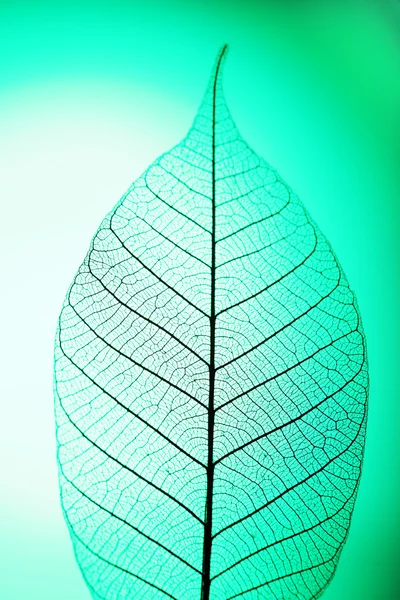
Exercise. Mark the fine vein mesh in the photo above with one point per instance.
(132, 383)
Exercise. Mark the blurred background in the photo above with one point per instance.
(90, 94)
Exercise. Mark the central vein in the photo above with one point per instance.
(206, 582)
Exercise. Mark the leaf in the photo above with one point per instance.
(211, 384)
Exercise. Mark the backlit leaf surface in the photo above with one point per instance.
(210, 379)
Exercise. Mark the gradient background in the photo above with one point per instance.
(90, 94)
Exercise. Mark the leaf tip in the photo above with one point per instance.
(214, 87)
(219, 63)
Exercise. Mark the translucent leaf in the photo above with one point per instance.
(211, 384)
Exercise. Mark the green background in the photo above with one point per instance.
(90, 94)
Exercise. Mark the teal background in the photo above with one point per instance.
(90, 94)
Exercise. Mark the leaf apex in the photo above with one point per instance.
(217, 72)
